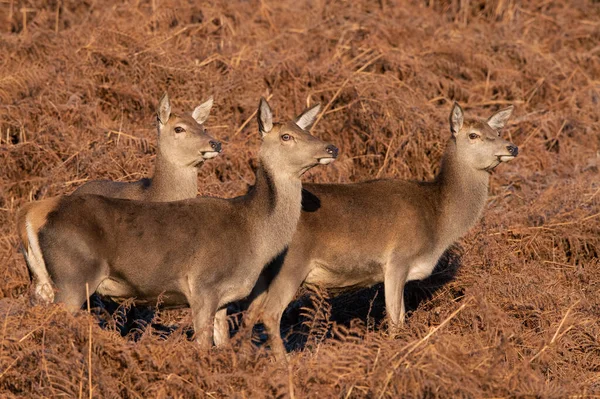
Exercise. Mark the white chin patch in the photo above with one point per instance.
(210, 154)
(325, 161)
(506, 158)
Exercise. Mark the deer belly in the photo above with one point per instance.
(115, 289)
(345, 276)
(421, 268)
(120, 290)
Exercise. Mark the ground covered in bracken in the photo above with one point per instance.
(512, 311)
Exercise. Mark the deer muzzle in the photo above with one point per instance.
(332, 151)
(216, 146)
(513, 151)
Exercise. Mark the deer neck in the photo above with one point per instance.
(275, 210)
(172, 182)
(463, 193)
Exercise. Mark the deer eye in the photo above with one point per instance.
(286, 137)
(473, 136)
(179, 129)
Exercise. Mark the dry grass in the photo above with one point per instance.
(78, 86)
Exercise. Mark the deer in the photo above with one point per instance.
(390, 231)
(201, 253)
(183, 146)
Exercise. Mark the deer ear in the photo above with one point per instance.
(164, 109)
(265, 117)
(456, 118)
(308, 117)
(499, 119)
(200, 114)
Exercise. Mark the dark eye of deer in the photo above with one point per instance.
(473, 136)
(179, 129)
(286, 137)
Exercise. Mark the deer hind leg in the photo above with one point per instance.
(73, 293)
(72, 271)
(395, 276)
(72, 296)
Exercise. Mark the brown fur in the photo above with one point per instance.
(385, 230)
(202, 252)
(35, 213)
(20, 223)
(30, 219)
(179, 155)
(175, 178)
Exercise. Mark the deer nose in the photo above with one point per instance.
(332, 150)
(216, 145)
(513, 150)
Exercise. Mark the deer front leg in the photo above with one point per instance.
(203, 313)
(394, 281)
(221, 331)
(280, 293)
(254, 304)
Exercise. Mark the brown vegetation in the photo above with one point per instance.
(79, 81)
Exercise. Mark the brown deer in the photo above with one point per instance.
(183, 145)
(202, 253)
(390, 231)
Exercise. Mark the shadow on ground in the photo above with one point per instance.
(366, 305)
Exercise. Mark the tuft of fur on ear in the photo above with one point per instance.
(308, 117)
(163, 112)
(200, 113)
(457, 118)
(499, 119)
(265, 117)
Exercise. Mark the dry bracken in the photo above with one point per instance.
(513, 310)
